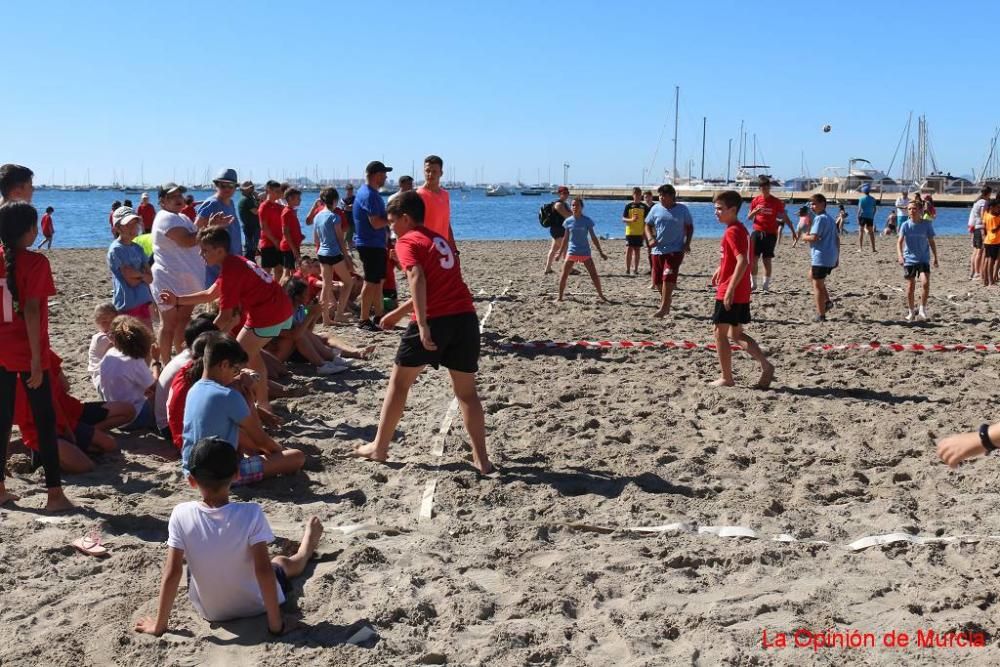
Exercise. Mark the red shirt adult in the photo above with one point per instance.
(269, 213)
(290, 220)
(437, 210)
(33, 278)
(47, 228)
(243, 284)
(735, 242)
(447, 293)
(147, 212)
(176, 400)
(770, 208)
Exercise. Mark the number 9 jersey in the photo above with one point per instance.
(447, 293)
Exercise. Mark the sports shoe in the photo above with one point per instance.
(766, 286)
(753, 283)
(340, 361)
(330, 368)
(921, 314)
(909, 315)
(819, 318)
(368, 325)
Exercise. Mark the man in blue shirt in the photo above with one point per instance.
(825, 244)
(222, 202)
(669, 228)
(913, 249)
(866, 217)
(370, 231)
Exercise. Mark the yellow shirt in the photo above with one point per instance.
(638, 214)
(991, 228)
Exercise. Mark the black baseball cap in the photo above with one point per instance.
(375, 167)
(171, 188)
(213, 460)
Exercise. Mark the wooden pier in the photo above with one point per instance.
(707, 195)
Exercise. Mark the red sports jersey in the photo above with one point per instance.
(269, 213)
(291, 220)
(735, 242)
(176, 400)
(767, 220)
(447, 293)
(188, 211)
(47, 228)
(243, 284)
(147, 212)
(34, 281)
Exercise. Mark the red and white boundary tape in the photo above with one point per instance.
(908, 347)
(611, 344)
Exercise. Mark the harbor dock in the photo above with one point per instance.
(708, 194)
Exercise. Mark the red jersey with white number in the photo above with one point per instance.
(767, 220)
(243, 284)
(33, 278)
(447, 293)
(735, 242)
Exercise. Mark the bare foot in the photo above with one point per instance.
(605, 300)
(663, 312)
(7, 497)
(766, 376)
(365, 353)
(652, 287)
(368, 452)
(722, 382)
(268, 418)
(548, 271)
(58, 502)
(310, 539)
(486, 470)
(558, 299)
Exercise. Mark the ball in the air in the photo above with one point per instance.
(827, 128)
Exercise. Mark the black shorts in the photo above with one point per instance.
(373, 261)
(288, 259)
(763, 244)
(330, 260)
(867, 222)
(977, 238)
(992, 250)
(821, 272)
(84, 436)
(557, 231)
(634, 240)
(93, 413)
(914, 270)
(457, 340)
(738, 313)
(269, 258)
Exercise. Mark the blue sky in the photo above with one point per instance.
(178, 88)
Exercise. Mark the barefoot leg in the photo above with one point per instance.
(294, 565)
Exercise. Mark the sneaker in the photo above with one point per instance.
(330, 368)
(921, 314)
(909, 315)
(368, 325)
(819, 318)
(340, 361)
(767, 285)
(753, 284)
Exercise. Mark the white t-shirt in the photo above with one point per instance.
(216, 542)
(163, 386)
(178, 269)
(100, 343)
(976, 214)
(901, 203)
(125, 379)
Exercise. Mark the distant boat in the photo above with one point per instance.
(533, 191)
(498, 191)
(386, 191)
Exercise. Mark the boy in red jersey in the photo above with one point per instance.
(245, 286)
(291, 231)
(732, 296)
(444, 329)
(269, 213)
(768, 215)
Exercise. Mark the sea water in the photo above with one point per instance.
(81, 218)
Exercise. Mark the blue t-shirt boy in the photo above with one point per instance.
(367, 203)
(669, 225)
(916, 242)
(125, 296)
(825, 250)
(866, 207)
(211, 411)
(326, 232)
(579, 235)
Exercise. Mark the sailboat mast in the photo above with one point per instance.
(677, 106)
(704, 127)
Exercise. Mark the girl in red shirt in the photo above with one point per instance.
(25, 286)
(48, 230)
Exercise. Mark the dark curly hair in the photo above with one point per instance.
(16, 219)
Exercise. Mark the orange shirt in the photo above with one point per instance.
(991, 228)
(437, 211)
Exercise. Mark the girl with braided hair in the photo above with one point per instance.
(25, 286)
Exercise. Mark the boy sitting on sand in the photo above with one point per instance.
(444, 329)
(732, 294)
(225, 544)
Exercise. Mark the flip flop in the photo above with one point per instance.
(91, 545)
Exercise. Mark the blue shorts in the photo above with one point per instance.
(271, 332)
(251, 470)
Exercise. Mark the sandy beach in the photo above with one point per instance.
(542, 565)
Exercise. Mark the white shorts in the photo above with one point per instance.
(179, 284)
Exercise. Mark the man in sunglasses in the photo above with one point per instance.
(222, 202)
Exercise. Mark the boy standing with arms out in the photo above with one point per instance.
(914, 248)
(732, 294)
(634, 218)
(230, 574)
(669, 227)
(444, 330)
(825, 244)
(866, 217)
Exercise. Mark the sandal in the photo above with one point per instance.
(90, 544)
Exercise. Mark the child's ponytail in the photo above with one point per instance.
(16, 219)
